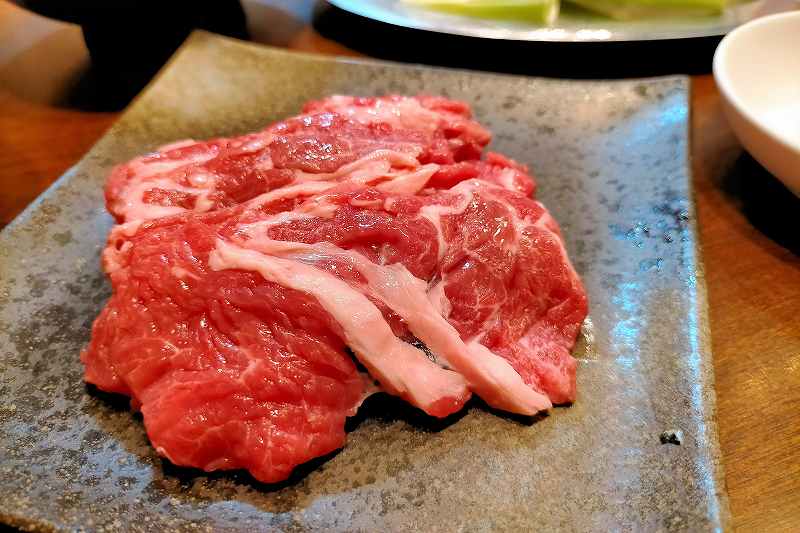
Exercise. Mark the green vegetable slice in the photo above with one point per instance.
(534, 11)
(638, 9)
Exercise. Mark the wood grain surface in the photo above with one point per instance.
(746, 224)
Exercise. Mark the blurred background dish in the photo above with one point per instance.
(572, 25)
(757, 69)
(100, 61)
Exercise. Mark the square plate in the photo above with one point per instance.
(611, 163)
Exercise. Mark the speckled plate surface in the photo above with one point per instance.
(611, 162)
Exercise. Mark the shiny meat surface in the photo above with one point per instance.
(265, 285)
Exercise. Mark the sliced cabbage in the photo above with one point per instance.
(534, 11)
(637, 9)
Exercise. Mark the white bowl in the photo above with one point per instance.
(757, 69)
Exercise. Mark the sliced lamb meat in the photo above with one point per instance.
(499, 270)
(370, 262)
(247, 355)
(250, 319)
(229, 371)
(381, 139)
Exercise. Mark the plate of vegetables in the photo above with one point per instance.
(569, 20)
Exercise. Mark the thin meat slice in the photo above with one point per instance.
(400, 368)
(489, 375)
(230, 371)
(511, 287)
(192, 176)
(481, 305)
(264, 285)
(447, 125)
(387, 138)
(481, 251)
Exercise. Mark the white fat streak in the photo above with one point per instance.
(410, 182)
(182, 273)
(402, 369)
(203, 203)
(134, 207)
(373, 165)
(363, 172)
(290, 191)
(144, 169)
(321, 206)
(201, 179)
(468, 188)
(176, 145)
(146, 173)
(519, 223)
(257, 142)
(207, 182)
(376, 203)
(545, 222)
(488, 374)
(314, 208)
(439, 300)
(111, 258)
(501, 372)
(262, 226)
(406, 113)
(506, 179)
(128, 229)
(435, 212)
(264, 162)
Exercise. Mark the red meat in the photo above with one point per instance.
(360, 246)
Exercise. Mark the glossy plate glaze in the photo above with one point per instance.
(611, 162)
(573, 24)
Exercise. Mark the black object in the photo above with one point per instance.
(562, 60)
(130, 40)
(671, 436)
(765, 201)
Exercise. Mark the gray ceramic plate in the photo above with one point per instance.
(611, 161)
(572, 25)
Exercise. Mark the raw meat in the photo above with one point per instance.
(254, 309)
(361, 139)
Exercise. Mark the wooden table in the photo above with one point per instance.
(753, 282)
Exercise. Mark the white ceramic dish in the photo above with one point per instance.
(572, 25)
(757, 69)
